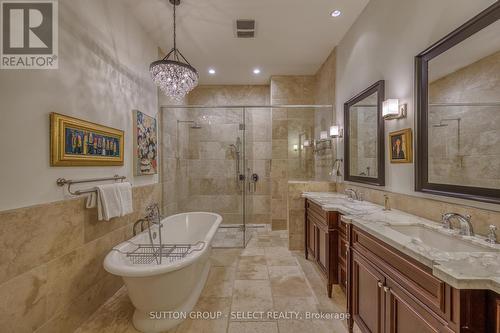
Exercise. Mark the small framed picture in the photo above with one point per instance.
(401, 146)
(76, 142)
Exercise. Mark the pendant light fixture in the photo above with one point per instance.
(173, 74)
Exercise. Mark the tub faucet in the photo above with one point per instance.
(464, 220)
(138, 222)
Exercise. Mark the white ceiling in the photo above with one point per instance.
(292, 36)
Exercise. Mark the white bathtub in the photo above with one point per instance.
(159, 290)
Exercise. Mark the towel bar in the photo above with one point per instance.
(69, 182)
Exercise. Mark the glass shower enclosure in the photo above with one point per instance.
(206, 167)
(218, 159)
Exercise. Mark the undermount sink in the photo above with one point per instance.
(438, 240)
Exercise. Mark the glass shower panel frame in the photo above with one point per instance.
(195, 174)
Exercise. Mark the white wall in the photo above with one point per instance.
(381, 45)
(103, 74)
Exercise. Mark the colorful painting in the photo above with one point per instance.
(401, 146)
(76, 142)
(146, 145)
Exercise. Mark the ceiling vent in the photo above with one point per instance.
(245, 28)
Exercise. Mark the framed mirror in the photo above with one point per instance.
(364, 151)
(458, 112)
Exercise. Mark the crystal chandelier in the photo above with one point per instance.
(173, 74)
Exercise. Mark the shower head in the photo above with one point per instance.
(194, 124)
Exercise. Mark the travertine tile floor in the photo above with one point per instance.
(263, 277)
(231, 235)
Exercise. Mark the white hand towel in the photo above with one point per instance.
(91, 201)
(125, 190)
(108, 202)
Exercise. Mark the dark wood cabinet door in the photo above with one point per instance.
(322, 248)
(367, 295)
(311, 239)
(405, 314)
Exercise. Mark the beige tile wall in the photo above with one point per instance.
(477, 161)
(211, 161)
(296, 209)
(51, 262)
(325, 117)
(175, 184)
(286, 126)
(429, 208)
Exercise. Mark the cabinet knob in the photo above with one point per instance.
(379, 284)
(386, 289)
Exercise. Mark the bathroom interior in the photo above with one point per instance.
(327, 166)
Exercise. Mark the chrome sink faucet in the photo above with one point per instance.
(492, 235)
(464, 220)
(352, 194)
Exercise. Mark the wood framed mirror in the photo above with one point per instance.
(458, 112)
(364, 150)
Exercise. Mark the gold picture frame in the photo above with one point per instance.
(401, 146)
(76, 142)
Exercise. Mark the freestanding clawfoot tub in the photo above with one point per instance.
(161, 293)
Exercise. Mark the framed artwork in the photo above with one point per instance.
(401, 146)
(145, 144)
(76, 142)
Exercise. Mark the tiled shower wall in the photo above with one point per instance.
(473, 157)
(174, 159)
(363, 149)
(211, 162)
(325, 117)
(287, 124)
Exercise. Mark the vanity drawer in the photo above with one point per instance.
(315, 212)
(316, 209)
(320, 222)
(416, 278)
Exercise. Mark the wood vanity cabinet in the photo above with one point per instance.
(343, 254)
(321, 242)
(393, 293)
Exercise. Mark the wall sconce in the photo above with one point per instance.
(323, 135)
(295, 147)
(391, 109)
(336, 131)
(306, 143)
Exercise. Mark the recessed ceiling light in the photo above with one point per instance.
(336, 13)
(256, 71)
(211, 71)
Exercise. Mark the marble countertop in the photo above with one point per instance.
(462, 268)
